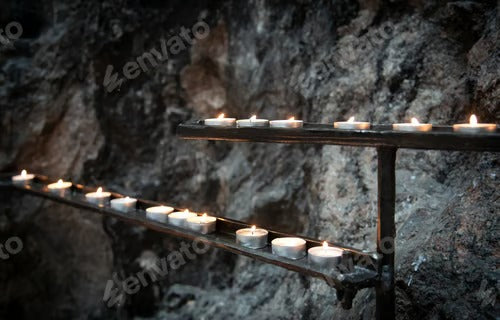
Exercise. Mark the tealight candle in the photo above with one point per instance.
(99, 197)
(252, 122)
(179, 218)
(202, 224)
(124, 204)
(59, 187)
(252, 237)
(220, 121)
(159, 213)
(413, 126)
(289, 247)
(324, 256)
(290, 123)
(23, 178)
(351, 124)
(473, 126)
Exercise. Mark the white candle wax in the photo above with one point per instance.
(179, 218)
(252, 237)
(473, 126)
(351, 124)
(289, 247)
(23, 178)
(159, 213)
(413, 126)
(290, 123)
(99, 197)
(124, 204)
(220, 121)
(324, 256)
(202, 224)
(252, 122)
(59, 187)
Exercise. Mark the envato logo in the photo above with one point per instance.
(117, 289)
(13, 31)
(13, 245)
(325, 68)
(150, 59)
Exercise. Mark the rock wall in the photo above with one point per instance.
(64, 115)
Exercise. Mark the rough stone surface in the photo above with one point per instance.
(382, 60)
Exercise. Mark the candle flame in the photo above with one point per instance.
(253, 228)
(186, 211)
(414, 121)
(203, 218)
(351, 119)
(253, 117)
(221, 116)
(99, 190)
(325, 244)
(291, 119)
(24, 173)
(127, 197)
(473, 119)
(59, 182)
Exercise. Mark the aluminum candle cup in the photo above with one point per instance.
(179, 218)
(290, 123)
(324, 256)
(24, 178)
(220, 121)
(252, 237)
(124, 204)
(159, 213)
(59, 187)
(413, 126)
(99, 197)
(351, 124)
(202, 224)
(289, 247)
(253, 122)
(473, 126)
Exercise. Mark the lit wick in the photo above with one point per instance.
(59, 183)
(24, 173)
(252, 118)
(203, 218)
(414, 121)
(291, 119)
(221, 116)
(351, 119)
(253, 229)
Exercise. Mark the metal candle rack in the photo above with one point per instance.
(359, 269)
(386, 141)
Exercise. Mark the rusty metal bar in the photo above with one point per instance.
(440, 138)
(386, 232)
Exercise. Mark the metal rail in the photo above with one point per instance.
(440, 138)
(387, 141)
(358, 269)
